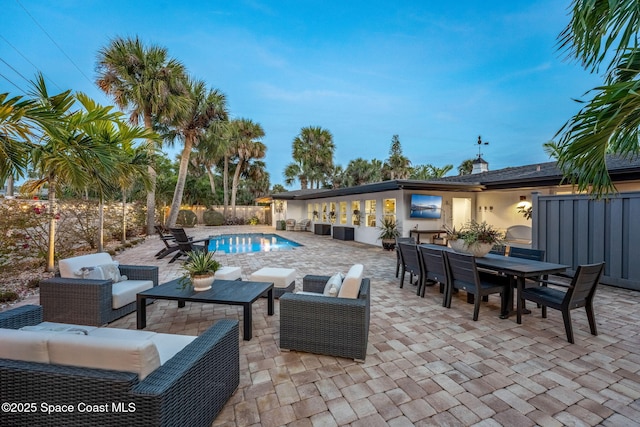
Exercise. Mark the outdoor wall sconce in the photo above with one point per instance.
(479, 208)
(491, 208)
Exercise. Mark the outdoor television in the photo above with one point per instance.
(425, 206)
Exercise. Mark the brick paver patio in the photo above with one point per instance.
(425, 365)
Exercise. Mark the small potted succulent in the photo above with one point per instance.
(474, 238)
(200, 269)
(388, 232)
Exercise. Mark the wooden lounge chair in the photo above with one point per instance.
(186, 244)
(169, 243)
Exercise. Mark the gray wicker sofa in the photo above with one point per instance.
(189, 389)
(87, 301)
(325, 325)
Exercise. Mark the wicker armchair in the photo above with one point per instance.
(86, 301)
(325, 325)
(190, 389)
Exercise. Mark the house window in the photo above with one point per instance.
(389, 209)
(343, 212)
(355, 212)
(325, 214)
(370, 212)
(316, 212)
(332, 212)
(310, 211)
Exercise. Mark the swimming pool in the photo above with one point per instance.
(250, 242)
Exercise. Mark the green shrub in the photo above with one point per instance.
(7, 296)
(186, 218)
(254, 220)
(212, 217)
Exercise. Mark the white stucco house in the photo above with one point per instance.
(496, 197)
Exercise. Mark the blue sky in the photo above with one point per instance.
(438, 74)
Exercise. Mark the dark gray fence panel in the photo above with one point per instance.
(575, 229)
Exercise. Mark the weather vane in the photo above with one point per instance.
(480, 144)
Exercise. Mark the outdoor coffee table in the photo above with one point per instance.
(229, 292)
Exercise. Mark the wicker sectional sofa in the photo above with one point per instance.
(190, 388)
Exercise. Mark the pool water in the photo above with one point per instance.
(250, 242)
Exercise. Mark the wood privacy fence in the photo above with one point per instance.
(263, 213)
(576, 229)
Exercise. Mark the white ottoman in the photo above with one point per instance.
(228, 273)
(284, 279)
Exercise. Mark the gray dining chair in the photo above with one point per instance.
(434, 271)
(410, 262)
(527, 253)
(580, 293)
(399, 263)
(464, 275)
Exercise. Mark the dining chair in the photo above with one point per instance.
(526, 253)
(580, 293)
(398, 255)
(434, 270)
(410, 262)
(498, 249)
(464, 275)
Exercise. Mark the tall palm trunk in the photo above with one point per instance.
(212, 181)
(225, 186)
(101, 225)
(151, 194)
(234, 185)
(123, 238)
(182, 178)
(51, 254)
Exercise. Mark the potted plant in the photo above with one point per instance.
(388, 232)
(199, 268)
(474, 238)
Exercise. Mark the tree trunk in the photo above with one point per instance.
(123, 239)
(182, 178)
(225, 186)
(51, 254)
(10, 186)
(212, 181)
(234, 186)
(151, 194)
(101, 225)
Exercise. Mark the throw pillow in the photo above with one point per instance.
(111, 271)
(332, 288)
(92, 273)
(351, 284)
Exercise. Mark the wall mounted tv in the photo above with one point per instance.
(425, 206)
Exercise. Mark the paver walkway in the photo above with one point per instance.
(425, 365)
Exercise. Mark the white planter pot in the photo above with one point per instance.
(477, 249)
(202, 283)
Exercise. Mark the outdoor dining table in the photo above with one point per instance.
(518, 268)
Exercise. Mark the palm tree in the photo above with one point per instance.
(150, 84)
(312, 156)
(466, 167)
(66, 153)
(207, 108)
(397, 166)
(15, 131)
(211, 150)
(245, 139)
(360, 171)
(426, 172)
(602, 31)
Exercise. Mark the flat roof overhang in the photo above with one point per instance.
(414, 185)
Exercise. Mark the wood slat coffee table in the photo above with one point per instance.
(228, 292)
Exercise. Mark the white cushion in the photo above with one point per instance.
(29, 346)
(351, 283)
(228, 273)
(59, 327)
(125, 292)
(128, 355)
(281, 277)
(69, 267)
(332, 288)
(122, 334)
(169, 345)
(311, 293)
